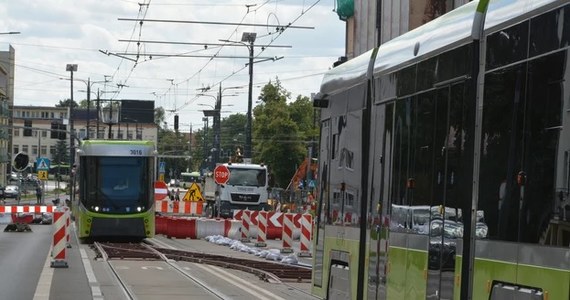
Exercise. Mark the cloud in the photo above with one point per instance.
(57, 32)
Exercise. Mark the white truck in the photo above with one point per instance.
(246, 188)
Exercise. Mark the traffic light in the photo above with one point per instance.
(21, 161)
(175, 122)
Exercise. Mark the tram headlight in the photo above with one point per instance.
(96, 208)
(139, 209)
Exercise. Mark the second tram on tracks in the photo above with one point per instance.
(444, 163)
(115, 190)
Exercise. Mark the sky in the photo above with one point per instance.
(115, 52)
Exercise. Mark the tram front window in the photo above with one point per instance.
(116, 184)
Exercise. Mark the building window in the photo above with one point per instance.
(27, 131)
(52, 150)
(82, 133)
(34, 149)
(25, 148)
(16, 131)
(43, 150)
(51, 115)
(44, 133)
(16, 149)
(120, 134)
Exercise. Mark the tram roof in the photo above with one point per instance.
(117, 148)
(444, 33)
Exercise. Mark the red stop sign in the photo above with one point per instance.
(221, 174)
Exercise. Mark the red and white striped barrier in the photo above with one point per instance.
(180, 207)
(306, 230)
(274, 224)
(245, 222)
(27, 209)
(59, 240)
(287, 236)
(67, 224)
(261, 229)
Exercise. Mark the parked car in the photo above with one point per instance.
(174, 183)
(12, 191)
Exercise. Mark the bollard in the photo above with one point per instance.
(58, 251)
(261, 229)
(287, 234)
(306, 230)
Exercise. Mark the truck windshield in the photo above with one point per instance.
(247, 177)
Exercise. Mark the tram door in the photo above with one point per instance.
(378, 226)
(449, 187)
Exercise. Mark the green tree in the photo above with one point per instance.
(277, 138)
(159, 116)
(66, 103)
(61, 155)
(171, 143)
(232, 134)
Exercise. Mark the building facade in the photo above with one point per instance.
(35, 130)
(370, 23)
(6, 102)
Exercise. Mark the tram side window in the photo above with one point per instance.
(550, 31)
(522, 128)
(507, 46)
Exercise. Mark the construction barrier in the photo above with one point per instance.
(200, 227)
(207, 227)
(59, 240)
(234, 230)
(274, 224)
(245, 224)
(180, 207)
(27, 209)
(67, 226)
(287, 236)
(181, 228)
(261, 229)
(306, 230)
(160, 224)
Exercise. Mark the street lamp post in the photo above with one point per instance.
(71, 68)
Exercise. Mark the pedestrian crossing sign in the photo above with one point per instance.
(193, 194)
(42, 164)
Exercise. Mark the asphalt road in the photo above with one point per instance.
(22, 257)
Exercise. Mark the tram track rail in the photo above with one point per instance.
(133, 251)
(265, 270)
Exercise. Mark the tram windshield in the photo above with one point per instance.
(115, 184)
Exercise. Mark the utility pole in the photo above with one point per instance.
(88, 105)
(217, 124)
(248, 145)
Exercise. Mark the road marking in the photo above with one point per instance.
(44, 283)
(238, 282)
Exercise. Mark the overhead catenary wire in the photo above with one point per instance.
(282, 29)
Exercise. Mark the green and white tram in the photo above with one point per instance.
(444, 161)
(115, 196)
